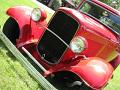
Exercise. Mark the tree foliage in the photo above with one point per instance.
(114, 3)
(56, 4)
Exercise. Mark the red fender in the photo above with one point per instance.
(21, 14)
(28, 33)
(95, 72)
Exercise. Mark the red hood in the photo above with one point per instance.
(91, 24)
(98, 28)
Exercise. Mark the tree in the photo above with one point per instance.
(55, 4)
(113, 3)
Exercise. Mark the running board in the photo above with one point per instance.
(34, 60)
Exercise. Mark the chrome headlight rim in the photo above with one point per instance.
(36, 14)
(78, 44)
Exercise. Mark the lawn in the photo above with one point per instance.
(12, 75)
(5, 4)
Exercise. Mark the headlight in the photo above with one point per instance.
(78, 44)
(36, 14)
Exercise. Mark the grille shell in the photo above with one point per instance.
(50, 46)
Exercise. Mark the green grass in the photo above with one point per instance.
(12, 75)
(5, 4)
(114, 84)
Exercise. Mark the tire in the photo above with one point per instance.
(11, 30)
(67, 81)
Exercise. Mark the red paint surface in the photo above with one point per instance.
(101, 43)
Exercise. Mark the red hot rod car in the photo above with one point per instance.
(79, 47)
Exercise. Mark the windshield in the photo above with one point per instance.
(102, 15)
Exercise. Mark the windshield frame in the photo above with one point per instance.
(88, 1)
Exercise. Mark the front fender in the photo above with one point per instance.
(94, 71)
(30, 32)
(21, 14)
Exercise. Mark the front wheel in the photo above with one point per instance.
(67, 81)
